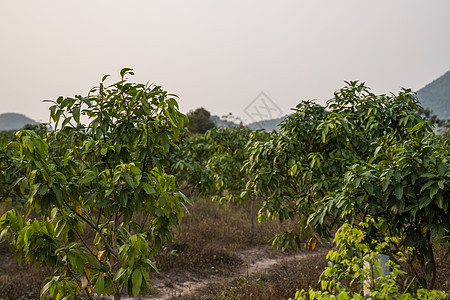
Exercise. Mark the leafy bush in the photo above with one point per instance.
(406, 184)
(352, 266)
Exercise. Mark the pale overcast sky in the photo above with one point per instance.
(219, 54)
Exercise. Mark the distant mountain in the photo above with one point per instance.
(222, 123)
(436, 96)
(267, 125)
(9, 121)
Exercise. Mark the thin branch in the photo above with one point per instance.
(87, 247)
(108, 247)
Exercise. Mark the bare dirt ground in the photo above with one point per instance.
(260, 260)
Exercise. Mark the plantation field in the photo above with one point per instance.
(131, 203)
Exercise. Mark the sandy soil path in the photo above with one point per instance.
(255, 260)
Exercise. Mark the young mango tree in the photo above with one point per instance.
(229, 153)
(187, 160)
(361, 155)
(406, 186)
(315, 146)
(99, 203)
(230, 146)
(212, 163)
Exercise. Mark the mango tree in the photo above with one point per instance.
(361, 155)
(99, 203)
(212, 163)
(316, 145)
(406, 187)
(187, 162)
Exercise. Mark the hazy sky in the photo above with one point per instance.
(219, 54)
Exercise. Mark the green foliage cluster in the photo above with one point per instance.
(102, 202)
(360, 155)
(10, 173)
(352, 265)
(212, 163)
(407, 184)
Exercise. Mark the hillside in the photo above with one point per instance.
(436, 96)
(222, 123)
(10, 121)
(267, 125)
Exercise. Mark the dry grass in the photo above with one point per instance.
(211, 233)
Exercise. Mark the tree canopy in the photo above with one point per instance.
(199, 121)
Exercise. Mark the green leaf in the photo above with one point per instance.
(424, 202)
(426, 185)
(158, 164)
(428, 175)
(125, 71)
(46, 287)
(123, 197)
(148, 188)
(151, 264)
(90, 175)
(418, 126)
(385, 184)
(3, 234)
(440, 202)
(76, 114)
(398, 175)
(119, 274)
(129, 180)
(58, 193)
(147, 280)
(369, 187)
(399, 191)
(136, 279)
(433, 191)
(100, 285)
(135, 170)
(356, 182)
(441, 170)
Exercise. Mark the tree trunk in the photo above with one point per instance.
(252, 212)
(117, 295)
(321, 240)
(433, 272)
